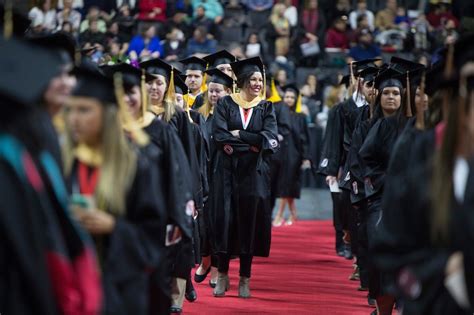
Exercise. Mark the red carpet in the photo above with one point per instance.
(303, 275)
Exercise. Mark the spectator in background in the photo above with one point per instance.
(281, 79)
(66, 27)
(115, 38)
(422, 30)
(145, 45)
(447, 34)
(200, 43)
(43, 16)
(236, 50)
(362, 24)
(291, 13)
(131, 4)
(70, 15)
(439, 14)
(179, 21)
(126, 22)
(343, 7)
(365, 48)
(93, 37)
(76, 4)
(212, 9)
(384, 20)
(253, 47)
(259, 11)
(402, 21)
(94, 14)
(279, 31)
(201, 20)
(361, 11)
(336, 36)
(152, 10)
(174, 47)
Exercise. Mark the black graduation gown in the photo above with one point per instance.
(331, 153)
(356, 163)
(240, 215)
(403, 248)
(198, 101)
(298, 144)
(133, 249)
(278, 160)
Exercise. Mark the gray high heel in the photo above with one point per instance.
(222, 284)
(244, 288)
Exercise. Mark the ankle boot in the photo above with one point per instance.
(222, 284)
(244, 287)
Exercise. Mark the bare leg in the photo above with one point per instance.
(291, 205)
(205, 264)
(278, 221)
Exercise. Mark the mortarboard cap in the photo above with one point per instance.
(245, 66)
(180, 86)
(369, 74)
(388, 78)
(217, 76)
(91, 82)
(131, 76)
(362, 64)
(219, 58)
(60, 41)
(17, 59)
(292, 87)
(346, 80)
(403, 65)
(157, 67)
(194, 63)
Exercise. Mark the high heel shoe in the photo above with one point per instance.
(244, 288)
(278, 221)
(222, 284)
(200, 278)
(291, 220)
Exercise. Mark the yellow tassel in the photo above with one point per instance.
(275, 98)
(171, 93)
(264, 90)
(299, 104)
(204, 81)
(420, 115)
(128, 123)
(144, 93)
(8, 20)
(408, 110)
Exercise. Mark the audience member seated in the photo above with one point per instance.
(439, 14)
(253, 47)
(384, 20)
(94, 14)
(152, 10)
(259, 11)
(145, 45)
(43, 17)
(213, 9)
(113, 37)
(361, 11)
(201, 20)
(336, 36)
(70, 15)
(201, 43)
(365, 48)
(174, 47)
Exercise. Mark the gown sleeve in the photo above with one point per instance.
(332, 146)
(283, 119)
(270, 130)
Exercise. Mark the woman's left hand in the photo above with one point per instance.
(235, 133)
(97, 222)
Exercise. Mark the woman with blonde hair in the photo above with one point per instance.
(112, 192)
(281, 28)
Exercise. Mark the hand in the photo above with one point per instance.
(95, 222)
(157, 10)
(176, 235)
(306, 164)
(280, 138)
(235, 133)
(330, 180)
(145, 52)
(218, 19)
(151, 15)
(454, 264)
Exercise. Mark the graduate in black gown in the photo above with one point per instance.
(296, 156)
(278, 160)
(193, 69)
(424, 241)
(219, 85)
(54, 259)
(245, 132)
(113, 192)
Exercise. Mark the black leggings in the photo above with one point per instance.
(245, 264)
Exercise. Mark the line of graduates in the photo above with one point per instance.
(398, 155)
(119, 180)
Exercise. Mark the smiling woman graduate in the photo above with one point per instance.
(245, 133)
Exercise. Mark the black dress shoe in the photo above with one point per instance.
(348, 253)
(190, 294)
(201, 278)
(212, 284)
(175, 310)
(370, 301)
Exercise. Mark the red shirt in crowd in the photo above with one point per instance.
(152, 10)
(336, 39)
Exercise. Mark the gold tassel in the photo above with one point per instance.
(128, 123)
(352, 78)
(171, 93)
(420, 115)
(203, 88)
(8, 20)
(275, 98)
(409, 113)
(264, 96)
(144, 92)
(299, 104)
(449, 67)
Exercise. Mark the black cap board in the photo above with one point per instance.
(194, 63)
(131, 76)
(388, 78)
(179, 86)
(157, 67)
(292, 87)
(91, 82)
(217, 76)
(369, 74)
(245, 66)
(404, 65)
(219, 58)
(26, 71)
(362, 64)
(346, 80)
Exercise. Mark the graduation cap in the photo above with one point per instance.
(157, 67)
(404, 65)
(369, 73)
(294, 88)
(219, 58)
(388, 78)
(180, 86)
(12, 22)
(62, 42)
(360, 65)
(194, 63)
(249, 65)
(346, 80)
(91, 82)
(131, 76)
(17, 59)
(217, 76)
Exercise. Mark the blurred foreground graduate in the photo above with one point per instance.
(113, 192)
(245, 132)
(51, 268)
(425, 236)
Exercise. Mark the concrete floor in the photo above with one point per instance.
(314, 204)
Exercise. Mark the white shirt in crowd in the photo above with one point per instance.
(355, 14)
(46, 19)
